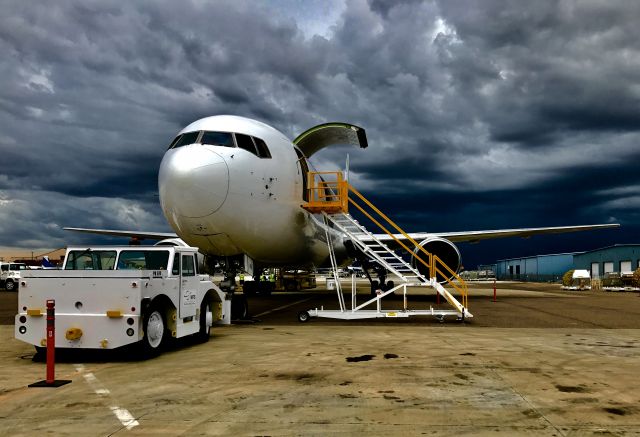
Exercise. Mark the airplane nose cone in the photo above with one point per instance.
(193, 182)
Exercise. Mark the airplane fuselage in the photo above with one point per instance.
(229, 199)
(235, 186)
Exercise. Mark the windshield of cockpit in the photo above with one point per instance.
(253, 145)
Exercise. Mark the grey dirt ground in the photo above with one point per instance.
(277, 377)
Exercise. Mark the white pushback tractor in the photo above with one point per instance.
(111, 296)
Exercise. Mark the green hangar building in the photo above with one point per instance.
(620, 258)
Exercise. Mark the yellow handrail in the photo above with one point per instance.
(332, 196)
(462, 289)
(404, 246)
(381, 214)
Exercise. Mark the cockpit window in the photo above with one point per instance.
(225, 139)
(217, 139)
(263, 150)
(245, 142)
(184, 139)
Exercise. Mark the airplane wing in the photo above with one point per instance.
(329, 134)
(475, 236)
(130, 234)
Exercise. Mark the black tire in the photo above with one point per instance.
(239, 307)
(249, 288)
(41, 355)
(290, 286)
(155, 331)
(9, 285)
(374, 286)
(303, 316)
(205, 331)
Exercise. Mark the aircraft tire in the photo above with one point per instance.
(374, 286)
(249, 288)
(239, 307)
(41, 354)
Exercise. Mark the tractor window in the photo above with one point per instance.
(188, 267)
(90, 260)
(143, 260)
(175, 270)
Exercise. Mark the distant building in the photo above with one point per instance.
(620, 258)
(538, 268)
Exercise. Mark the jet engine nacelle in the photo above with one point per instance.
(172, 242)
(181, 243)
(443, 249)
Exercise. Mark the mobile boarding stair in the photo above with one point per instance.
(329, 196)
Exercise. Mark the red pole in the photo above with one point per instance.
(494, 289)
(51, 349)
(51, 341)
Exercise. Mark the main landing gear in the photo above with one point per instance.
(380, 284)
(239, 305)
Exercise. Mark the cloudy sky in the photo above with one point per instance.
(480, 115)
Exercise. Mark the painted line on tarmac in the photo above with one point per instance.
(282, 307)
(122, 414)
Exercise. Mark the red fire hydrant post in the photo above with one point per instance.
(51, 350)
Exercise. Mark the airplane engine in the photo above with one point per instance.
(443, 249)
(181, 243)
(172, 242)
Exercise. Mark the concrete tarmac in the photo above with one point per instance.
(276, 377)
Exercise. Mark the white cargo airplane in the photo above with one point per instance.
(233, 186)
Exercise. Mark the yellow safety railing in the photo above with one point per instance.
(461, 288)
(329, 192)
(428, 265)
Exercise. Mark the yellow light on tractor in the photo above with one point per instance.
(73, 334)
(35, 312)
(114, 314)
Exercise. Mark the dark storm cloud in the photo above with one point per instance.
(479, 115)
(558, 66)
